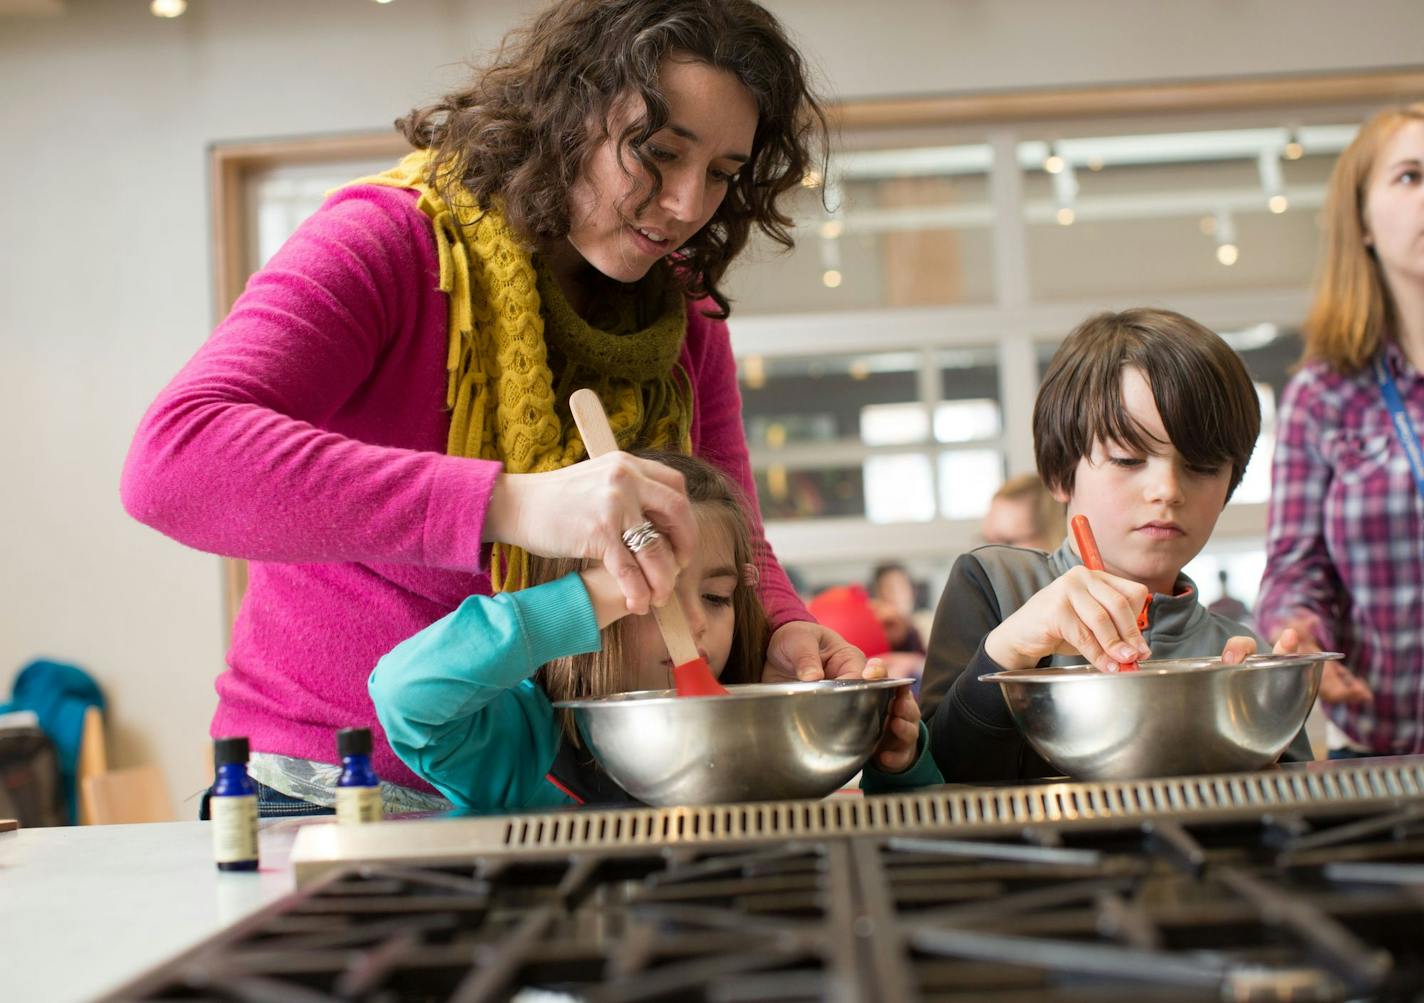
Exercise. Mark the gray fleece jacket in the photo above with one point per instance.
(972, 737)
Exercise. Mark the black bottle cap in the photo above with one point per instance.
(229, 750)
(353, 742)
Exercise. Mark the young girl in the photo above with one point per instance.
(467, 703)
(1345, 548)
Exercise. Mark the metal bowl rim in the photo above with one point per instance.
(738, 692)
(1161, 667)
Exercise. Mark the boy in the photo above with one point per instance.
(1144, 423)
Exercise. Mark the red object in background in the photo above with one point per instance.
(846, 609)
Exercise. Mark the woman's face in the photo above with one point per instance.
(712, 120)
(1394, 206)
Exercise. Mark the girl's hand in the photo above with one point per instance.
(582, 510)
(605, 594)
(1091, 613)
(1337, 683)
(897, 748)
(806, 651)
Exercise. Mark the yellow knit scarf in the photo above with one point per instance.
(507, 318)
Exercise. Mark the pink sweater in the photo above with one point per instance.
(307, 435)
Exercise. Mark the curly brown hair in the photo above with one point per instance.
(520, 130)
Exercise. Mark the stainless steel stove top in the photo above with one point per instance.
(1294, 884)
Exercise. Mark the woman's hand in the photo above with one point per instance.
(1337, 683)
(583, 510)
(901, 741)
(1091, 613)
(807, 651)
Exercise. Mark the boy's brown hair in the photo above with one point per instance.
(717, 503)
(1203, 393)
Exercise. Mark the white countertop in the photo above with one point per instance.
(85, 909)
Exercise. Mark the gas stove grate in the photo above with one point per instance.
(1320, 789)
(973, 812)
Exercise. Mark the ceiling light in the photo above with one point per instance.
(1293, 150)
(1226, 250)
(1065, 192)
(1269, 167)
(1053, 163)
(167, 8)
(831, 278)
(832, 228)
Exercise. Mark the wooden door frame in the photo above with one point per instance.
(232, 165)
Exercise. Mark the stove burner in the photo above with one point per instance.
(1288, 906)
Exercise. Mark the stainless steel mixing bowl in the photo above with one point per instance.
(761, 742)
(1169, 718)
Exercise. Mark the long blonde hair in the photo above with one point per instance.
(599, 673)
(1352, 308)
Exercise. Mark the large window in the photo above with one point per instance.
(889, 362)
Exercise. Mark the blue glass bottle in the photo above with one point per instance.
(233, 806)
(358, 792)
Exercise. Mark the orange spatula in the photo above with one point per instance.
(691, 675)
(1093, 561)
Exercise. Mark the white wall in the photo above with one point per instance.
(104, 267)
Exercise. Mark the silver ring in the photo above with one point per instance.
(641, 536)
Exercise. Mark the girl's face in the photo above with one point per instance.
(712, 120)
(1151, 513)
(705, 590)
(1394, 206)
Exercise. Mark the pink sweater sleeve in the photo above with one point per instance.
(310, 427)
(720, 438)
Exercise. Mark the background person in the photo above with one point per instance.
(1345, 544)
(1024, 513)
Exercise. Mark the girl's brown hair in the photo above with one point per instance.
(715, 500)
(521, 130)
(1208, 404)
(1352, 308)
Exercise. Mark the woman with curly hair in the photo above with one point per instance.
(381, 424)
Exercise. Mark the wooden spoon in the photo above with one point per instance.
(691, 675)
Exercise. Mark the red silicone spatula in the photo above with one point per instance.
(1093, 561)
(691, 675)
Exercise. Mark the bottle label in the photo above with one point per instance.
(234, 828)
(355, 805)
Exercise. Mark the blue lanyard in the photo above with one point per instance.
(1403, 427)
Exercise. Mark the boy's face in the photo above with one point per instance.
(705, 590)
(1152, 513)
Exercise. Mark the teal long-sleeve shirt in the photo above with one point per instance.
(460, 707)
(459, 703)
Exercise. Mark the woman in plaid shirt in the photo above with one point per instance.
(1345, 554)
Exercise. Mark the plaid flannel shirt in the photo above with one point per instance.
(1345, 547)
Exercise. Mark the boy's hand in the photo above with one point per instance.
(1237, 648)
(1091, 613)
(897, 748)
